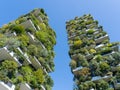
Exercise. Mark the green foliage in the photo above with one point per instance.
(9, 65)
(77, 43)
(45, 38)
(91, 31)
(98, 58)
(8, 68)
(31, 30)
(19, 29)
(102, 85)
(19, 79)
(13, 42)
(42, 36)
(73, 64)
(32, 50)
(42, 26)
(92, 51)
(20, 20)
(104, 67)
(106, 50)
(39, 76)
(24, 40)
(3, 40)
(26, 71)
(49, 81)
(42, 10)
(82, 61)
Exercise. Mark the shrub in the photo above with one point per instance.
(73, 64)
(92, 51)
(19, 29)
(104, 67)
(91, 31)
(77, 43)
(39, 76)
(106, 50)
(24, 40)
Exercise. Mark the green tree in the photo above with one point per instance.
(102, 85)
(73, 64)
(19, 29)
(39, 76)
(9, 67)
(27, 73)
(77, 43)
(24, 40)
(104, 67)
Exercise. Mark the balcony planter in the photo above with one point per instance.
(4, 86)
(28, 24)
(5, 54)
(99, 40)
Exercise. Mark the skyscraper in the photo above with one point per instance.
(26, 53)
(95, 61)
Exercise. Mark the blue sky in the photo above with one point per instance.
(107, 12)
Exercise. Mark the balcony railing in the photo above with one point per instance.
(25, 86)
(99, 40)
(96, 78)
(28, 24)
(40, 19)
(99, 46)
(32, 38)
(50, 70)
(89, 56)
(43, 88)
(6, 54)
(117, 86)
(36, 64)
(25, 55)
(115, 48)
(6, 86)
(77, 69)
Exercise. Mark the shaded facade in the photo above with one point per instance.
(95, 61)
(26, 53)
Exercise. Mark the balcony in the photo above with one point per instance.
(71, 37)
(50, 70)
(25, 86)
(96, 32)
(92, 89)
(115, 48)
(9, 34)
(36, 12)
(89, 56)
(97, 78)
(28, 24)
(113, 52)
(77, 69)
(32, 38)
(6, 86)
(40, 19)
(43, 88)
(5, 54)
(99, 40)
(25, 55)
(99, 46)
(36, 64)
(35, 40)
(117, 86)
